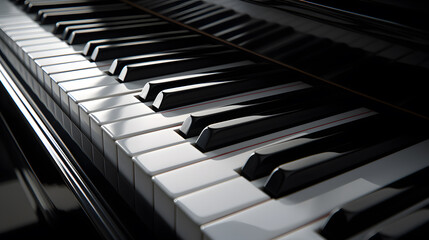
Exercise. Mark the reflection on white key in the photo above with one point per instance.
(97, 119)
(198, 208)
(44, 62)
(308, 232)
(80, 96)
(80, 84)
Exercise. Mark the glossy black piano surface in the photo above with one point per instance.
(210, 119)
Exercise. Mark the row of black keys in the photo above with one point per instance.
(367, 72)
(359, 75)
(271, 39)
(296, 45)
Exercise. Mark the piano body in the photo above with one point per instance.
(195, 119)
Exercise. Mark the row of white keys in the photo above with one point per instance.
(49, 61)
(173, 184)
(110, 133)
(82, 84)
(43, 54)
(279, 216)
(54, 65)
(83, 73)
(50, 67)
(38, 51)
(8, 23)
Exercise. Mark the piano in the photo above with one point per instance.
(203, 119)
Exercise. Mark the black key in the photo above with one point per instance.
(68, 30)
(189, 11)
(252, 33)
(53, 17)
(78, 8)
(210, 17)
(239, 29)
(34, 6)
(152, 88)
(152, 4)
(263, 161)
(83, 36)
(233, 131)
(196, 122)
(174, 65)
(91, 45)
(166, 5)
(225, 23)
(413, 226)
(372, 208)
(60, 26)
(120, 63)
(181, 96)
(181, 7)
(198, 13)
(298, 174)
(105, 52)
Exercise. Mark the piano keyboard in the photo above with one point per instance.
(204, 141)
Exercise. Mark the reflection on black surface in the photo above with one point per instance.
(32, 207)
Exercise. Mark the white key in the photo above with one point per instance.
(67, 67)
(212, 171)
(88, 70)
(39, 41)
(20, 26)
(304, 233)
(48, 53)
(279, 216)
(43, 62)
(198, 208)
(43, 47)
(101, 104)
(81, 84)
(80, 96)
(97, 119)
